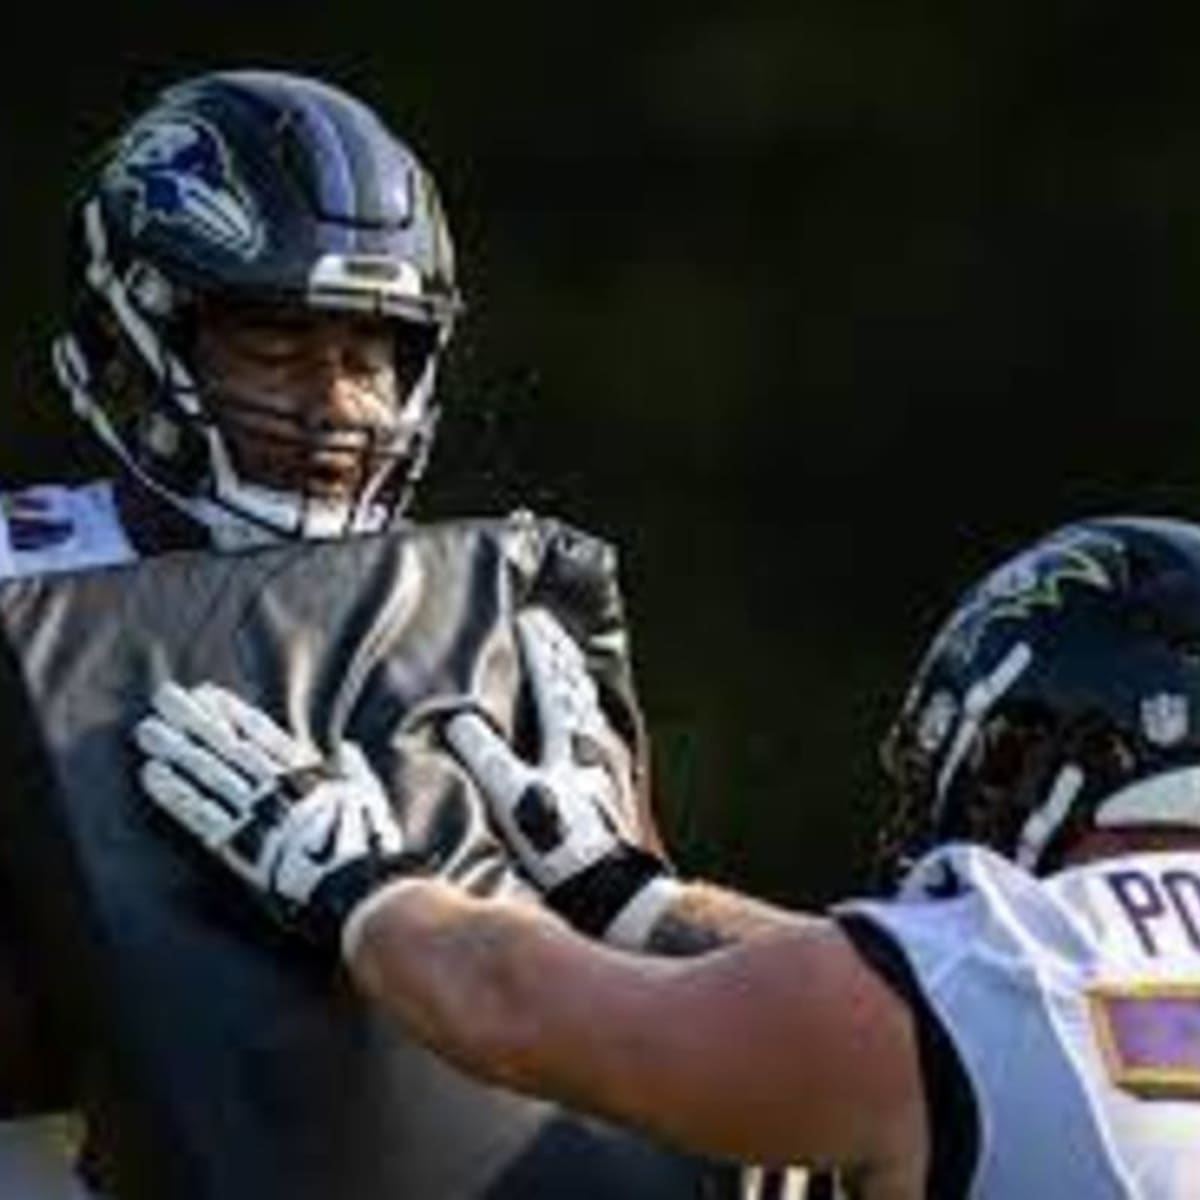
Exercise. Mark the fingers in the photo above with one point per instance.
(209, 758)
(487, 757)
(563, 690)
(258, 729)
(188, 758)
(350, 761)
(197, 715)
(195, 811)
(379, 821)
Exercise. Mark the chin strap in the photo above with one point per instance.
(243, 515)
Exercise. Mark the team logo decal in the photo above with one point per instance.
(179, 172)
(1165, 719)
(1037, 580)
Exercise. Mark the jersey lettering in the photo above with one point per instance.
(1159, 906)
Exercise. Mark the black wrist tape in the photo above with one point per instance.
(591, 900)
(335, 898)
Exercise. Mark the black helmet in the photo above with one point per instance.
(1062, 695)
(258, 188)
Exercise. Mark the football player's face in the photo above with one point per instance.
(306, 401)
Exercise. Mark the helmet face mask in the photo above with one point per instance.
(263, 192)
(344, 435)
(1062, 695)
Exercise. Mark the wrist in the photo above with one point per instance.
(618, 898)
(633, 927)
(356, 927)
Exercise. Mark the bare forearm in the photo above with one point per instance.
(475, 978)
(719, 1052)
(507, 992)
(704, 917)
(502, 989)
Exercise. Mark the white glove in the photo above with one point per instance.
(561, 816)
(312, 838)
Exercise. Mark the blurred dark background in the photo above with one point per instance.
(814, 307)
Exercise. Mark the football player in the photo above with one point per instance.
(1019, 1017)
(261, 285)
(262, 282)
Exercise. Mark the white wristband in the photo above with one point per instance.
(361, 913)
(631, 928)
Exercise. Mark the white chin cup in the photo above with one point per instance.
(248, 515)
(241, 514)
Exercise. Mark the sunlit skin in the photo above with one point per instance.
(778, 1045)
(299, 395)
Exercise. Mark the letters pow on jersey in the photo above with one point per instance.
(179, 171)
(1038, 580)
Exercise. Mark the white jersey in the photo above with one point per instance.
(52, 527)
(1072, 1004)
(36, 1157)
(47, 529)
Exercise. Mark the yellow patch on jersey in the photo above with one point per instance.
(1149, 1036)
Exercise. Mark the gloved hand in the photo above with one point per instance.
(311, 837)
(560, 815)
